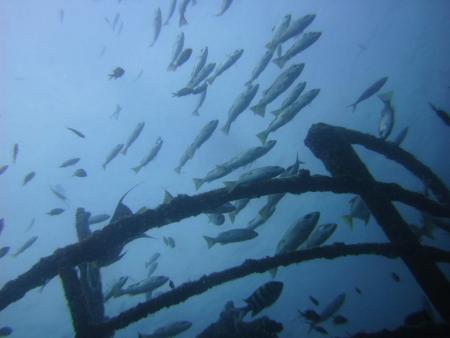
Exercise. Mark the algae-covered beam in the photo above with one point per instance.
(332, 146)
(423, 330)
(184, 206)
(250, 266)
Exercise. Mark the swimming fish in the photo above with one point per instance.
(320, 235)
(200, 63)
(217, 219)
(182, 58)
(55, 212)
(182, 10)
(231, 236)
(5, 331)
(295, 28)
(33, 220)
(117, 72)
(239, 206)
(80, 173)
(15, 152)
(116, 112)
(340, 320)
(314, 300)
(61, 19)
(263, 297)
(231, 60)
(28, 177)
(254, 175)
(114, 152)
(169, 241)
(358, 209)
(170, 330)
(177, 48)
(173, 4)
(76, 132)
(145, 286)
(152, 268)
(153, 259)
(133, 136)
(373, 89)
(259, 219)
(114, 289)
(25, 246)
(3, 251)
(443, 115)
(200, 101)
(278, 32)
(115, 21)
(3, 169)
(69, 162)
(387, 116)
(157, 22)
(291, 98)
(395, 277)
(150, 156)
(225, 5)
(299, 46)
(260, 66)
(59, 192)
(332, 307)
(202, 74)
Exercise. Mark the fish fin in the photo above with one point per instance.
(273, 272)
(210, 241)
(103, 166)
(167, 197)
(136, 169)
(170, 67)
(226, 128)
(198, 183)
(178, 170)
(262, 136)
(259, 110)
(196, 113)
(280, 62)
(276, 112)
(211, 80)
(353, 105)
(230, 185)
(183, 21)
(386, 97)
(347, 219)
(232, 216)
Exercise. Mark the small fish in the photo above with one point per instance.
(310, 315)
(115, 21)
(387, 116)
(15, 152)
(201, 75)
(231, 60)
(239, 105)
(358, 290)
(116, 112)
(80, 173)
(314, 300)
(3, 169)
(61, 15)
(3, 251)
(5, 331)
(320, 235)
(28, 177)
(150, 156)
(278, 32)
(340, 320)
(293, 29)
(177, 49)
(25, 246)
(114, 288)
(157, 22)
(320, 329)
(279, 51)
(260, 66)
(182, 58)
(299, 46)
(170, 330)
(217, 219)
(145, 286)
(117, 72)
(139, 75)
(231, 236)
(443, 115)
(69, 162)
(114, 152)
(263, 297)
(182, 92)
(358, 209)
(133, 136)
(33, 220)
(200, 63)
(291, 98)
(173, 4)
(225, 5)
(395, 277)
(255, 175)
(2, 225)
(169, 241)
(102, 52)
(76, 132)
(152, 268)
(333, 307)
(120, 28)
(94, 219)
(260, 219)
(200, 101)
(182, 10)
(59, 192)
(152, 259)
(373, 89)
(55, 212)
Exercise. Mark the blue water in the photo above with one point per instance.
(52, 76)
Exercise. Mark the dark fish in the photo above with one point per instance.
(217, 219)
(182, 92)
(373, 89)
(76, 132)
(310, 315)
(314, 300)
(80, 173)
(55, 212)
(171, 284)
(231, 60)
(15, 152)
(118, 72)
(26, 245)
(2, 225)
(115, 114)
(31, 224)
(3, 169)
(225, 5)
(28, 177)
(320, 329)
(221, 209)
(3, 252)
(263, 297)
(70, 162)
(102, 52)
(395, 277)
(182, 58)
(340, 319)
(59, 192)
(182, 9)
(157, 22)
(5, 331)
(231, 236)
(115, 22)
(169, 241)
(443, 115)
(401, 136)
(358, 290)
(173, 4)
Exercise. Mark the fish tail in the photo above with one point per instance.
(270, 45)
(178, 170)
(209, 241)
(259, 109)
(170, 67)
(232, 216)
(183, 21)
(136, 169)
(280, 62)
(167, 197)
(273, 272)
(104, 166)
(347, 219)
(198, 183)
(262, 136)
(226, 128)
(195, 113)
(353, 107)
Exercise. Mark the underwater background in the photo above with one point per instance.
(55, 59)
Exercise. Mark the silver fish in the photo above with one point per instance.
(114, 152)
(181, 59)
(201, 99)
(178, 47)
(94, 219)
(25, 246)
(300, 45)
(259, 219)
(145, 286)
(116, 21)
(120, 29)
(59, 192)
(204, 134)
(373, 89)
(278, 33)
(279, 50)
(213, 175)
(227, 64)
(320, 235)
(182, 11)
(28, 177)
(152, 259)
(157, 22)
(239, 206)
(15, 152)
(117, 285)
(260, 66)
(288, 114)
(151, 268)
(169, 330)
(116, 112)
(169, 241)
(240, 104)
(254, 175)
(333, 307)
(133, 136)
(201, 63)
(231, 236)
(70, 162)
(201, 75)
(225, 5)
(401, 136)
(80, 173)
(296, 234)
(173, 4)
(293, 95)
(281, 83)
(387, 119)
(55, 212)
(150, 156)
(358, 209)
(248, 156)
(3, 168)
(295, 28)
